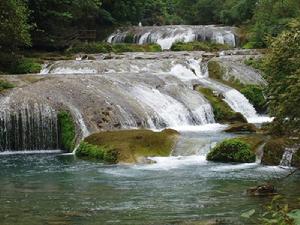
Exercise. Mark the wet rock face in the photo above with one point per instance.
(165, 36)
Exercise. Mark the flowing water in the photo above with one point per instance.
(60, 189)
(165, 36)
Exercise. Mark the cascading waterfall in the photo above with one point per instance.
(236, 100)
(287, 156)
(166, 36)
(30, 127)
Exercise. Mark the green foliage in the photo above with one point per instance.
(232, 150)
(14, 29)
(273, 151)
(222, 112)
(255, 95)
(94, 152)
(67, 131)
(26, 65)
(5, 85)
(277, 213)
(129, 145)
(271, 18)
(282, 69)
(255, 63)
(103, 47)
(199, 46)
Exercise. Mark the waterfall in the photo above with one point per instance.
(166, 36)
(287, 156)
(30, 127)
(196, 70)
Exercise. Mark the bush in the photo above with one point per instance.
(232, 150)
(255, 95)
(5, 85)
(67, 131)
(27, 65)
(199, 46)
(16, 64)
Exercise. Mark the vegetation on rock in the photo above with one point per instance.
(67, 130)
(273, 151)
(222, 112)
(232, 150)
(5, 85)
(103, 47)
(127, 146)
(241, 127)
(255, 95)
(199, 46)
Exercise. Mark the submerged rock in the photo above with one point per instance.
(262, 190)
(241, 127)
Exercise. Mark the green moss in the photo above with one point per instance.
(254, 141)
(127, 146)
(273, 151)
(5, 85)
(255, 95)
(199, 46)
(232, 150)
(222, 112)
(102, 153)
(67, 131)
(103, 47)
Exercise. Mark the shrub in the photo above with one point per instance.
(232, 150)
(27, 65)
(67, 131)
(255, 95)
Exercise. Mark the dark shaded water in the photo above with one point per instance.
(60, 189)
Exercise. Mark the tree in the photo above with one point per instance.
(282, 68)
(14, 29)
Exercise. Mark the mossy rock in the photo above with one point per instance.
(232, 150)
(103, 47)
(253, 140)
(273, 151)
(241, 127)
(222, 112)
(275, 148)
(127, 146)
(255, 95)
(67, 131)
(4, 85)
(215, 70)
(199, 46)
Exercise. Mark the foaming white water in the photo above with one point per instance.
(166, 36)
(213, 127)
(173, 162)
(69, 70)
(30, 152)
(223, 168)
(236, 100)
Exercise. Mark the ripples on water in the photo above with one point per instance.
(60, 189)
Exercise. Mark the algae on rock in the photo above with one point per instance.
(127, 146)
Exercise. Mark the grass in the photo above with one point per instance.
(223, 113)
(127, 146)
(232, 150)
(103, 47)
(199, 46)
(4, 85)
(67, 131)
